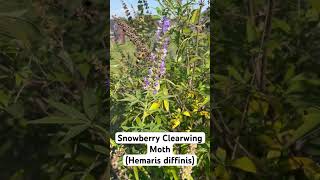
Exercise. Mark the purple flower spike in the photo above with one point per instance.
(158, 57)
(165, 52)
(156, 84)
(166, 43)
(162, 68)
(166, 24)
(146, 83)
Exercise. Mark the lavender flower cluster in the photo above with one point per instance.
(158, 64)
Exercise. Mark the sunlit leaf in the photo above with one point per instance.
(154, 106)
(175, 123)
(136, 172)
(245, 164)
(166, 105)
(186, 113)
(195, 16)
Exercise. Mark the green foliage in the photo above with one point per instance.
(52, 100)
(266, 89)
(182, 101)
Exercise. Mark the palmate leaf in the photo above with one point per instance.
(74, 131)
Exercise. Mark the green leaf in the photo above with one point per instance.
(312, 14)
(16, 110)
(4, 98)
(166, 102)
(174, 174)
(258, 106)
(17, 13)
(56, 120)
(273, 154)
(235, 74)
(298, 162)
(90, 104)
(315, 141)
(154, 106)
(99, 148)
(69, 176)
(311, 121)
(138, 120)
(315, 4)
(64, 55)
(278, 23)
(136, 172)
(19, 79)
(166, 105)
(158, 120)
(145, 114)
(186, 113)
(221, 154)
(251, 32)
(290, 73)
(195, 16)
(84, 69)
(245, 164)
(221, 173)
(60, 77)
(18, 175)
(113, 143)
(74, 131)
(68, 110)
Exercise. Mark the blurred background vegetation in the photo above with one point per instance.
(53, 68)
(265, 95)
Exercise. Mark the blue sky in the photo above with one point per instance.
(116, 6)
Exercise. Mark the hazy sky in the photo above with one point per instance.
(116, 6)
